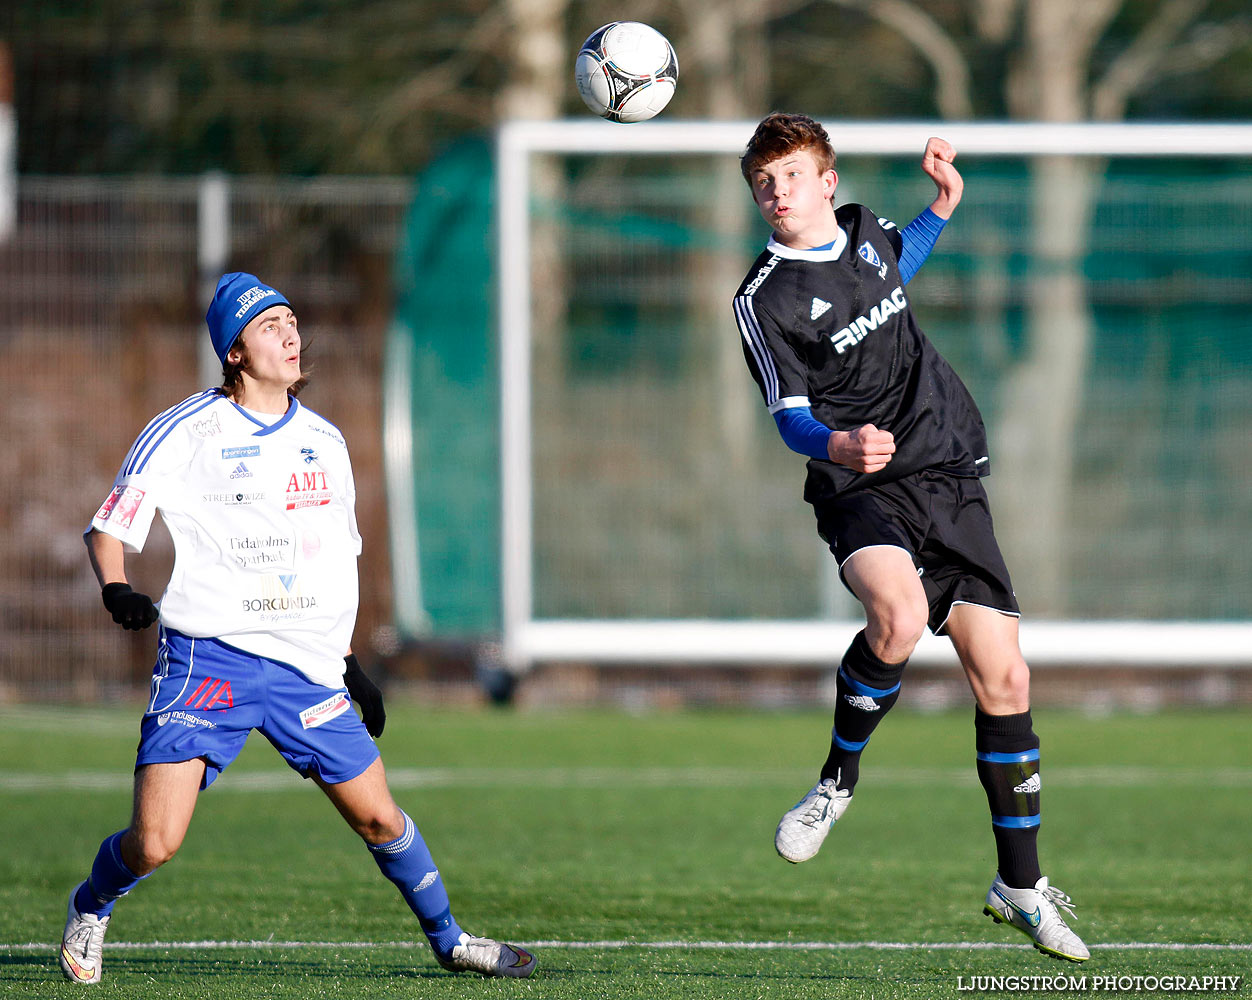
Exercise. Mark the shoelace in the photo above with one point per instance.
(85, 936)
(820, 805)
(1057, 898)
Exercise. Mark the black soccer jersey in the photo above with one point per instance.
(833, 330)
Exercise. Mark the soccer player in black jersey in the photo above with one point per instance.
(897, 450)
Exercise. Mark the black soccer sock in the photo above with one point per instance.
(866, 688)
(1008, 767)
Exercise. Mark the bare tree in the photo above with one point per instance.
(717, 39)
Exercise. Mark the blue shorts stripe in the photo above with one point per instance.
(1021, 757)
(864, 689)
(1016, 822)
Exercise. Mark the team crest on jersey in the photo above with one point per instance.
(869, 254)
(310, 456)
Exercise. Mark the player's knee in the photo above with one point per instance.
(1017, 682)
(1007, 691)
(145, 852)
(896, 630)
(379, 827)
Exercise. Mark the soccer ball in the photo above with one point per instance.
(626, 71)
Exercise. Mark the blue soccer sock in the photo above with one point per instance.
(110, 879)
(406, 861)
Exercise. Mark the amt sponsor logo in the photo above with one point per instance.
(307, 489)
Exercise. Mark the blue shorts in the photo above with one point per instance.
(208, 696)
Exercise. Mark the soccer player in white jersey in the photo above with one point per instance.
(897, 451)
(255, 625)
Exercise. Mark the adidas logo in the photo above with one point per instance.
(819, 308)
(241, 471)
(1030, 786)
(427, 881)
(863, 702)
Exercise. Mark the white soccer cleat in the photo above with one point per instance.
(491, 958)
(82, 944)
(805, 825)
(1036, 913)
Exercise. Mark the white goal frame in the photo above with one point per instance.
(526, 640)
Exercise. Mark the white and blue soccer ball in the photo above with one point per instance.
(626, 71)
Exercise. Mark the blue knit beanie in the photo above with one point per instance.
(238, 298)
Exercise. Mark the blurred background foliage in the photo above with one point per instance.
(310, 87)
(1107, 300)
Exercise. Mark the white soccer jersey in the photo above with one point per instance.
(263, 523)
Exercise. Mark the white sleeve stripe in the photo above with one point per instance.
(790, 403)
(751, 331)
(159, 427)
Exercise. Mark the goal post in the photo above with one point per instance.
(572, 628)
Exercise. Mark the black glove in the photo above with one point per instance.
(130, 610)
(365, 693)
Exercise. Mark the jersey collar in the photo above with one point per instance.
(834, 252)
(263, 429)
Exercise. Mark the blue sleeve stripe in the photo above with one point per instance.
(159, 429)
(1015, 822)
(1009, 758)
(152, 428)
(751, 331)
(864, 689)
(917, 240)
(803, 433)
(849, 745)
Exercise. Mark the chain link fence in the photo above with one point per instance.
(101, 311)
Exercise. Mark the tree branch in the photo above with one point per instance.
(1091, 19)
(437, 78)
(993, 19)
(936, 46)
(1209, 44)
(1136, 63)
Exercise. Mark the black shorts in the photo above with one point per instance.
(942, 521)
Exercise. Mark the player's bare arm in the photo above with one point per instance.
(131, 610)
(866, 449)
(938, 164)
(108, 558)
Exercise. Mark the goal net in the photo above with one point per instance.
(1092, 291)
